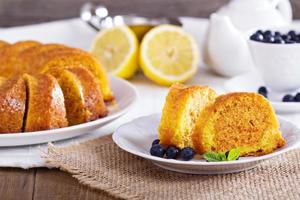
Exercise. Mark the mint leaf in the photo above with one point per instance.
(222, 157)
(211, 157)
(233, 154)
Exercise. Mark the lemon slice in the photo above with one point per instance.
(168, 54)
(117, 50)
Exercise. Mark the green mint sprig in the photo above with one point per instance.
(233, 154)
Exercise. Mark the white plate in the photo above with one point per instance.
(251, 82)
(136, 137)
(125, 95)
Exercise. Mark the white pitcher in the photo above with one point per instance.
(227, 52)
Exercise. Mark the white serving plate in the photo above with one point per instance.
(125, 96)
(136, 137)
(251, 82)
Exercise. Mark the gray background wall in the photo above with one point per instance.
(21, 12)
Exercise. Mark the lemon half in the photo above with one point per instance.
(168, 54)
(117, 50)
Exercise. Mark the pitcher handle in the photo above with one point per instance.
(285, 7)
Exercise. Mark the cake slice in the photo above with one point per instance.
(181, 110)
(12, 104)
(45, 104)
(53, 61)
(238, 120)
(83, 97)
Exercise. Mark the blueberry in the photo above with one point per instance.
(278, 39)
(155, 142)
(187, 153)
(263, 91)
(297, 97)
(277, 33)
(260, 32)
(288, 98)
(269, 39)
(257, 37)
(172, 152)
(286, 37)
(298, 38)
(267, 33)
(289, 42)
(157, 150)
(292, 33)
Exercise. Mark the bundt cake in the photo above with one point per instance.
(181, 110)
(83, 98)
(29, 73)
(45, 104)
(238, 120)
(8, 57)
(12, 104)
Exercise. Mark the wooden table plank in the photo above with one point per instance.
(55, 184)
(16, 184)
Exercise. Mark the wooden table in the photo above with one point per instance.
(51, 184)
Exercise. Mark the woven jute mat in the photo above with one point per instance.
(100, 164)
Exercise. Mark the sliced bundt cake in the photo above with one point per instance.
(54, 60)
(45, 104)
(8, 57)
(181, 110)
(12, 104)
(238, 120)
(83, 98)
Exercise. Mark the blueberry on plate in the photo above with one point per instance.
(187, 153)
(155, 142)
(263, 91)
(297, 97)
(172, 152)
(288, 98)
(158, 150)
(257, 37)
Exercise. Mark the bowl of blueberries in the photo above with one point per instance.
(276, 54)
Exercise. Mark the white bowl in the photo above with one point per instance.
(279, 64)
(125, 96)
(136, 137)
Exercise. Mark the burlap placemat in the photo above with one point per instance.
(100, 164)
